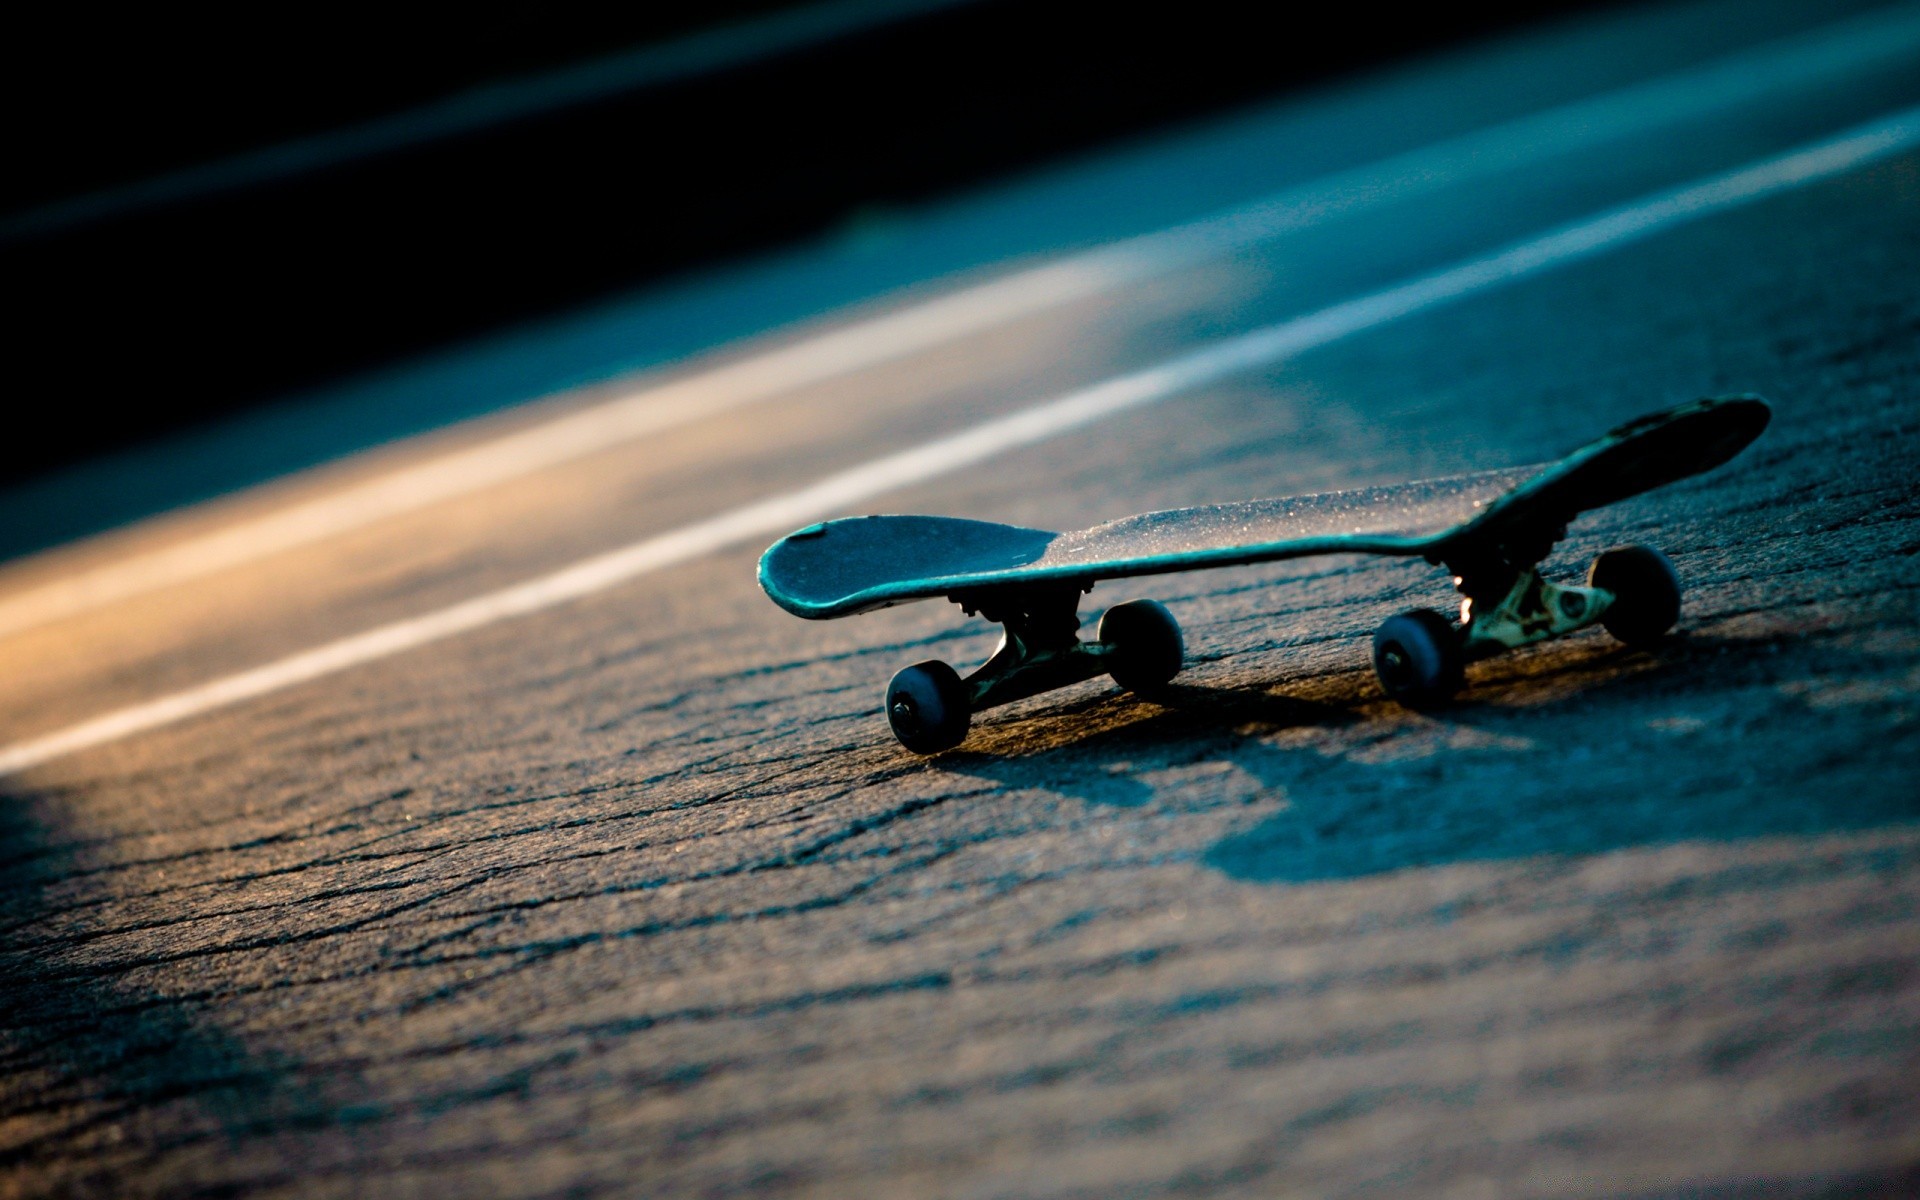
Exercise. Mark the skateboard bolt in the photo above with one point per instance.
(1573, 604)
(1394, 663)
(904, 715)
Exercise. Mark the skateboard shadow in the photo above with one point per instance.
(100, 1049)
(1185, 723)
(1592, 749)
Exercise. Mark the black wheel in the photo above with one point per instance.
(928, 707)
(1143, 644)
(1417, 656)
(1646, 593)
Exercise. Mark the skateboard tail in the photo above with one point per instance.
(1690, 440)
(1639, 456)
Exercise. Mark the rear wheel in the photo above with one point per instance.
(1418, 658)
(1144, 649)
(1646, 593)
(928, 707)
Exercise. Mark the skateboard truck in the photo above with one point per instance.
(1507, 604)
(1534, 610)
(1040, 647)
(1138, 643)
(1420, 656)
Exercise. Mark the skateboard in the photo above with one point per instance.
(1489, 530)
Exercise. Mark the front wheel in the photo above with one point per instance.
(1144, 649)
(1646, 593)
(928, 707)
(1418, 658)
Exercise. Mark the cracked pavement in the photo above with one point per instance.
(637, 896)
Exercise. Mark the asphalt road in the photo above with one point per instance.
(634, 894)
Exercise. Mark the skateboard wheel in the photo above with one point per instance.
(1646, 593)
(1144, 650)
(928, 707)
(1418, 658)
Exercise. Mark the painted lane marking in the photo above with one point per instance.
(838, 493)
(1806, 61)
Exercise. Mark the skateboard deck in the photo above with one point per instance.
(1489, 529)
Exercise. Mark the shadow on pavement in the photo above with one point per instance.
(1579, 750)
(85, 1048)
(1104, 767)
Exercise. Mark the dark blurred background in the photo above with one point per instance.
(200, 214)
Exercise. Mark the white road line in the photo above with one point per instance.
(1806, 61)
(838, 493)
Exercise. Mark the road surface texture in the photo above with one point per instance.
(634, 894)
